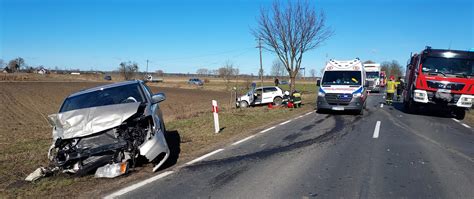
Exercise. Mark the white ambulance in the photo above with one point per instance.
(372, 72)
(343, 87)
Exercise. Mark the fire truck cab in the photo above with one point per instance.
(441, 78)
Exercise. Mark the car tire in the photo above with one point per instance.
(459, 113)
(320, 111)
(361, 112)
(412, 107)
(277, 101)
(243, 104)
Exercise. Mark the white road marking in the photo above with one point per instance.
(376, 130)
(381, 105)
(138, 185)
(299, 117)
(467, 126)
(243, 140)
(166, 173)
(267, 129)
(283, 123)
(204, 157)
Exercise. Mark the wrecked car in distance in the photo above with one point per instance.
(107, 129)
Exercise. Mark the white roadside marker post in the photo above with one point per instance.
(215, 110)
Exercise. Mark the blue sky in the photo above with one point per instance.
(182, 36)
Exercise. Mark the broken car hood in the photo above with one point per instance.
(87, 121)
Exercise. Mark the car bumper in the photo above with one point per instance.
(460, 100)
(374, 89)
(357, 103)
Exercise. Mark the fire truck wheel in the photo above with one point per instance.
(459, 113)
(412, 106)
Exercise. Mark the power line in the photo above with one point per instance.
(207, 55)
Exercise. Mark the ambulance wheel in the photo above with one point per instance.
(360, 112)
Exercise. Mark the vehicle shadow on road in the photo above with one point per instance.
(433, 112)
(174, 144)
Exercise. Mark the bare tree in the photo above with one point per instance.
(15, 64)
(202, 71)
(128, 70)
(313, 73)
(160, 73)
(1, 63)
(290, 30)
(392, 68)
(227, 72)
(278, 69)
(321, 72)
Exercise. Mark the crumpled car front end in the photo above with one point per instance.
(106, 139)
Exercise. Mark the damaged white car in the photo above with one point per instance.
(107, 129)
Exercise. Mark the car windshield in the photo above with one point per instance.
(342, 78)
(448, 66)
(372, 75)
(115, 95)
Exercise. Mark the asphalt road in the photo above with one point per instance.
(335, 156)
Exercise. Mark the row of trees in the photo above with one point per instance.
(392, 68)
(13, 65)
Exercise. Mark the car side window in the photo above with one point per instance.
(269, 89)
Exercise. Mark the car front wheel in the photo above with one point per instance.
(243, 104)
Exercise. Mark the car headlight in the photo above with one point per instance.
(321, 94)
(419, 94)
(357, 95)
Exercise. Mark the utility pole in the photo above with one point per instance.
(304, 74)
(147, 66)
(261, 65)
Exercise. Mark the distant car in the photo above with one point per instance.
(284, 82)
(195, 81)
(108, 77)
(261, 95)
(150, 78)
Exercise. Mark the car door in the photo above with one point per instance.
(268, 94)
(258, 96)
(155, 108)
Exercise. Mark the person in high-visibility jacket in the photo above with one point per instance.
(391, 86)
(399, 86)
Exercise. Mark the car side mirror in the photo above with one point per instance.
(157, 98)
(318, 82)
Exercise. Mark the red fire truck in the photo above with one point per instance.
(440, 78)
